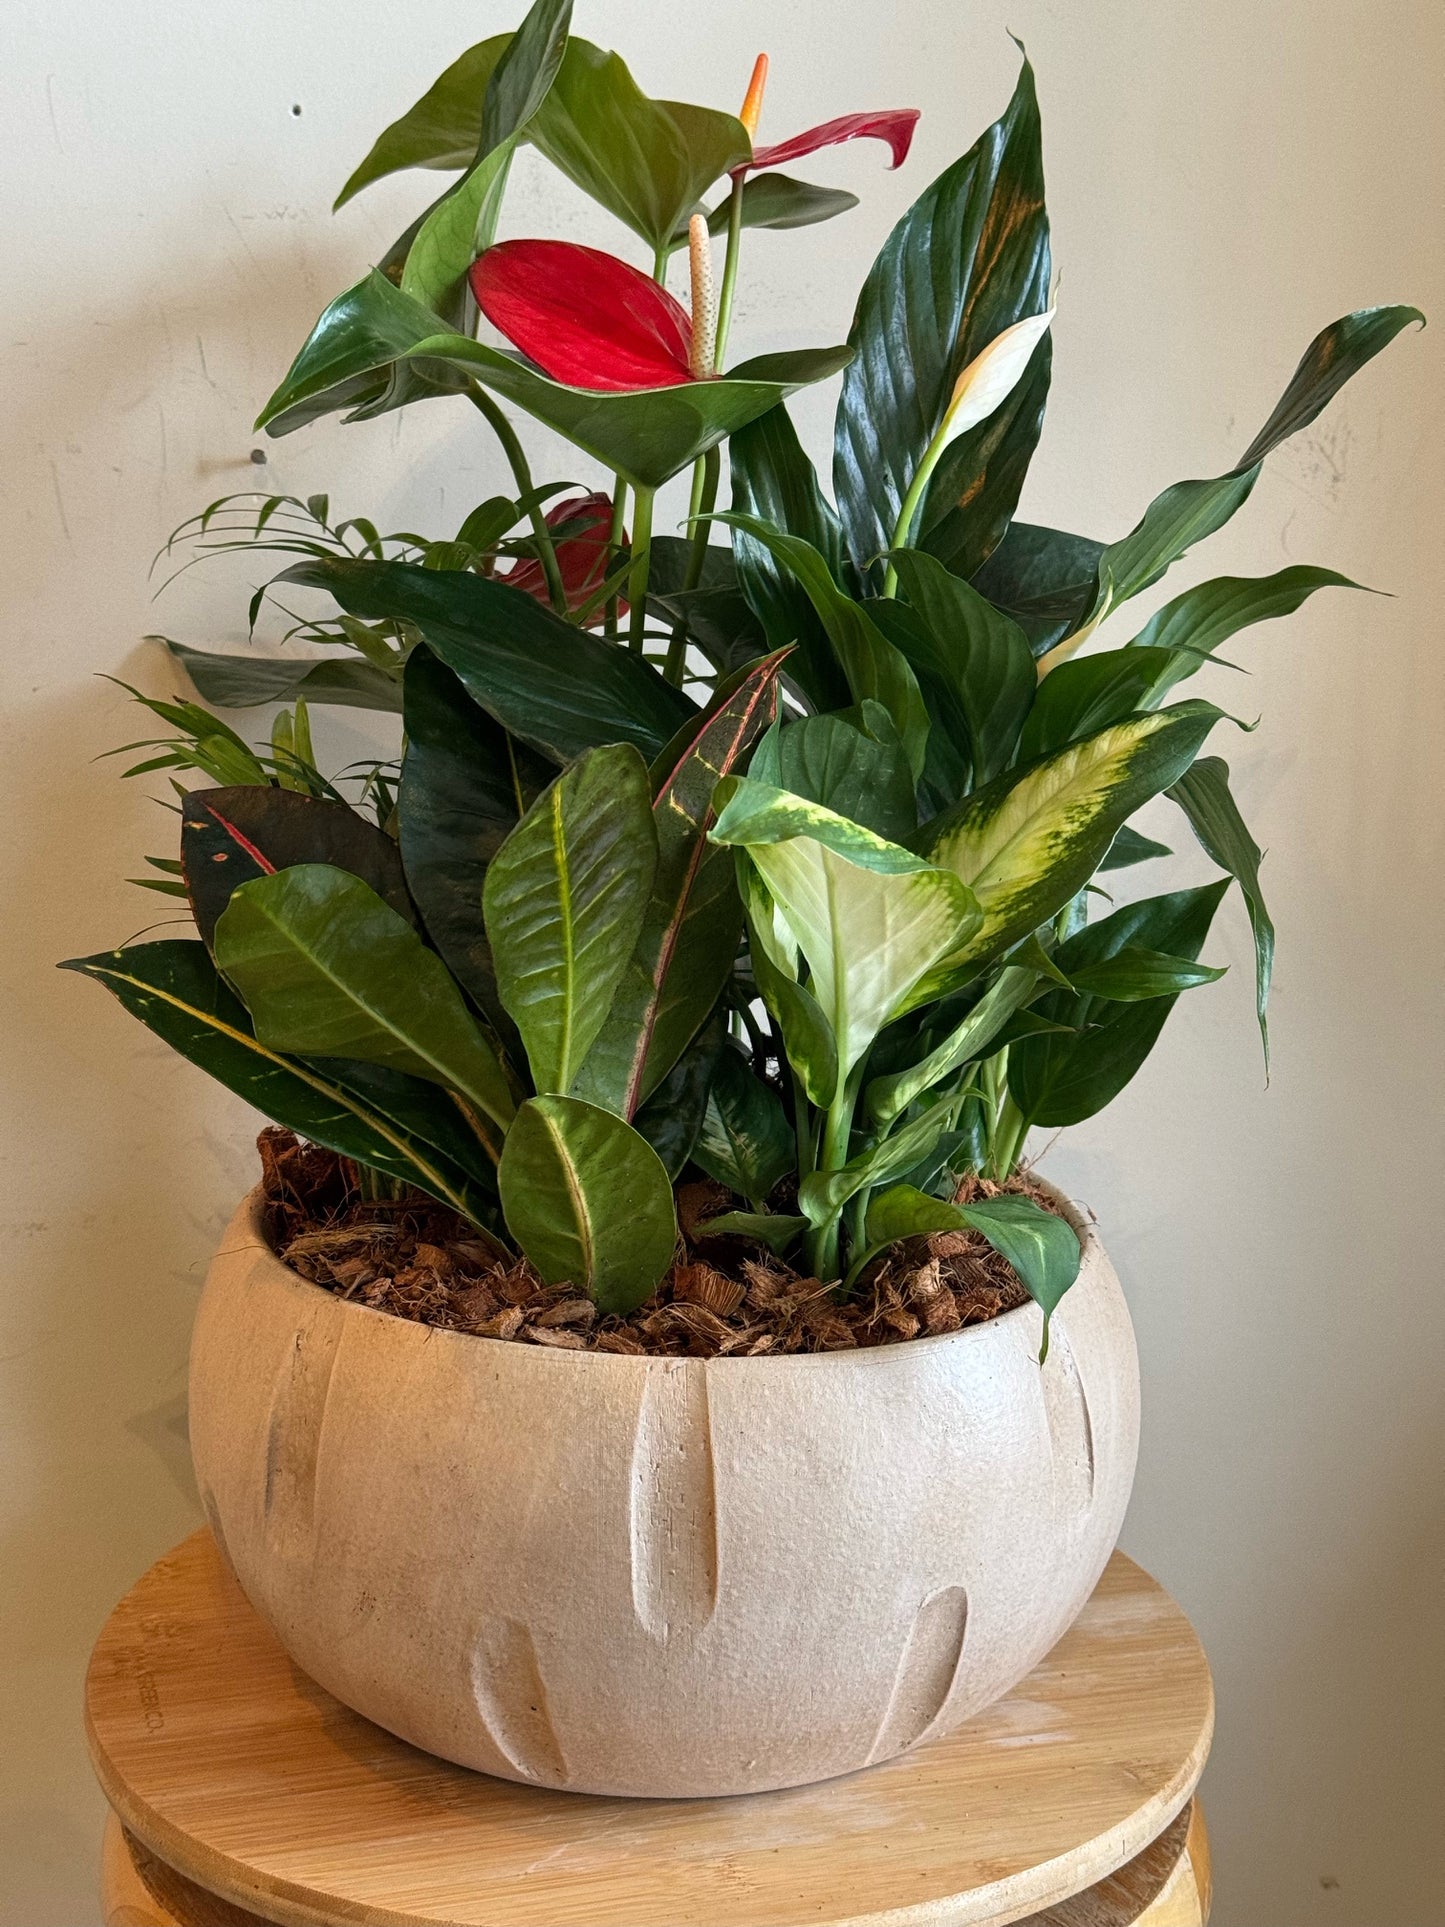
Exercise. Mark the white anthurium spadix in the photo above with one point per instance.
(870, 917)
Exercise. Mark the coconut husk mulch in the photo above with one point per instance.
(722, 1297)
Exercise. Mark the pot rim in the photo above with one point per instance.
(1083, 1226)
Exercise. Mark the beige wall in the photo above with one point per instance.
(1224, 178)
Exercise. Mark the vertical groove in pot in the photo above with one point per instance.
(511, 1697)
(293, 1436)
(927, 1669)
(1071, 1430)
(673, 1508)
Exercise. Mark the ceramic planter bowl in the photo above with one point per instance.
(658, 1576)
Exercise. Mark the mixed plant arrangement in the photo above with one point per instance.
(771, 858)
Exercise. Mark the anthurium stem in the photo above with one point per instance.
(614, 547)
(908, 514)
(730, 272)
(522, 476)
(641, 562)
(705, 473)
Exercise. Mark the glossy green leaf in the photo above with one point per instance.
(1189, 511)
(1206, 616)
(807, 1036)
(1136, 972)
(904, 1211)
(889, 1097)
(243, 682)
(325, 967)
(774, 481)
(873, 668)
(393, 1127)
(564, 901)
(1063, 1077)
(714, 615)
(1032, 839)
(822, 1194)
(980, 475)
(774, 200)
(870, 918)
(645, 435)
(672, 1117)
(1045, 579)
(230, 836)
(860, 773)
(746, 1141)
(465, 783)
(694, 917)
(984, 657)
(778, 1231)
(1129, 847)
(588, 1200)
(947, 760)
(1204, 795)
(443, 129)
(1091, 693)
(559, 689)
(970, 258)
(649, 162)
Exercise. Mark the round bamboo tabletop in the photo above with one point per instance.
(226, 1763)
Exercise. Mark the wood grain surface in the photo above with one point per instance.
(239, 1773)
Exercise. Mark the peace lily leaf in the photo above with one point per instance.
(1206, 616)
(464, 785)
(987, 466)
(969, 259)
(1189, 511)
(229, 836)
(775, 483)
(649, 162)
(1136, 973)
(672, 1117)
(862, 774)
(985, 658)
(1032, 839)
(1080, 698)
(1063, 1077)
(776, 1230)
(889, 1097)
(443, 129)
(564, 901)
(777, 201)
(947, 763)
(684, 954)
(1204, 795)
(174, 989)
(1045, 579)
(326, 967)
(873, 667)
(822, 1194)
(870, 918)
(588, 1200)
(645, 435)
(1129, 847)
(559, 689)
(746, 1141)
(714, 614)
(807, 1037)
(243, 682)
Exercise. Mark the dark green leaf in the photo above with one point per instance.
(979, 479)
(822, 1194)
(983, 656)
(1044, 578)
(947, 764)
(588, 1200)
(746, 1141)
(773, 1229)
(970, 258)
(862, 773)
(1136, 973)
(889, 1097)
(559, 689)
(1206, 616)
(443, 129)
(1205, 798)
(243, 682)
(1091, 693)
(1129, 847)
(672, 1117)
(1042, 1247)
(230, 836)
(777, 201)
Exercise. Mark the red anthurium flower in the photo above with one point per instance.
(584, 317)
(586, 525)
(894, 125)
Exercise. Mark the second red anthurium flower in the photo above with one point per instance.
(584, 317)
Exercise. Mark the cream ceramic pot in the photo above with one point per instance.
(658, 1576)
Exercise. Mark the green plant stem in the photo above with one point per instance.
(705, 472)
(522, 475)
(804, 1128)
(833, 1155)
(907, 515)
(641, 563)
(730, 273)
(614, 547)
(1010, 1129)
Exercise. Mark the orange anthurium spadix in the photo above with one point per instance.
(584, 317)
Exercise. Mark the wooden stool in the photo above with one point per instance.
(242, 1793)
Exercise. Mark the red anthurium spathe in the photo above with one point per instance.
(582, 526)
(894, 125)
(584, 317)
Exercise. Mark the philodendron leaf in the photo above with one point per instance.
(564, 901)
(646, 435)
(1189, 511)
(983, 657)
(870, 917)
(1032, 839)
(1204, 795)
(872, 667)
(746, 1141)
(465, 784)
(588, 1200)
(392, 1124)
(1041, 1246)
(890, 1096)
(777, 1230)
(443, 129)
(775, 200)
(229, 836)
(861, 773)
(969, 259)
(683, 957)
(243, 682)
(1061, 1077)
(559, 689)
(328, 969)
